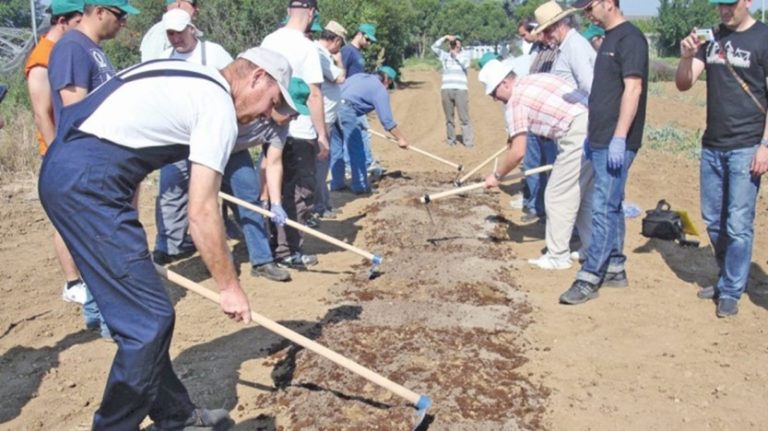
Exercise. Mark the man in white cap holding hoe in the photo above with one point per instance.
(548, 106)
(146, 117)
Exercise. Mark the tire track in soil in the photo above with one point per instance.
(445, 318)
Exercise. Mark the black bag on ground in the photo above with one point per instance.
(662, 223)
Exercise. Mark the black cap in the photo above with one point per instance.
(581, 4)
(302, 4)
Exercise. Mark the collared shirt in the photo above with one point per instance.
(575, 61)
(544, 105)
(454, 66)
(331, 90)
(364, 92)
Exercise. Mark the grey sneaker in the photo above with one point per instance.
(198, 420)
(727, 307)
(615, 279)
(299, 260)
(270, 271)
(580, 291)
(707, 292)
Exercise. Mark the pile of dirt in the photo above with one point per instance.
(445, 319)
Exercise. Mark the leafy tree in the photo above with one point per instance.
(676, 19)
(16, 13)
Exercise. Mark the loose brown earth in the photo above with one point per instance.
(457, 313)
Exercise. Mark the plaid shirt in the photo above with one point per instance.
(544, 105)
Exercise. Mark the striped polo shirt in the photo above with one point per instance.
(454, 68)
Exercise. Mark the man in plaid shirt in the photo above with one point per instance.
(549, 106)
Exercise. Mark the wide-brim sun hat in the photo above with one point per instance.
(548, 14)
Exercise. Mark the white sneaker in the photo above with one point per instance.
(75, 293)
(548, 261)
(575, 256)
(516, 204)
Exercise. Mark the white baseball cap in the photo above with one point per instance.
(495, 71)
(177, 20)
(276, 66)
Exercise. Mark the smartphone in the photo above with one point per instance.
(3, 90)
(705, 35)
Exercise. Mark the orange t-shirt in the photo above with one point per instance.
(39, 58)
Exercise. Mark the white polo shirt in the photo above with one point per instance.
(164, 111)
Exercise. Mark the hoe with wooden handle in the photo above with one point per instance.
(420, 402)
(375, 260)
(456, 166)
(429, 198)
(469, 174)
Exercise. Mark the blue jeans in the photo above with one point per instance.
(728, 195)
(539, 152)
(606, 252)
(242, 180)
(92, 315)
(366, 142)
(349, 136)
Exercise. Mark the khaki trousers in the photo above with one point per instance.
(568, 197)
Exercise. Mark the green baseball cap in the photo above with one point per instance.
(488, 56)
(458, 37)
(316, 27)
(193, 2)
(123, 5)
(63, 7)
(299, 91)
(390, 72)
(593, 31)
(369, 30)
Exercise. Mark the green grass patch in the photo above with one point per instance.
(674, 140)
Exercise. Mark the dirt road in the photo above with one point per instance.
(457, 313)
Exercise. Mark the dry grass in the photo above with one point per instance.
(18, 146)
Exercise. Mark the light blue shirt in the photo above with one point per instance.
(575, 61)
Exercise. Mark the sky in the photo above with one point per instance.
(649, 7)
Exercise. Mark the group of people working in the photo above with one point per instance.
(193, 112)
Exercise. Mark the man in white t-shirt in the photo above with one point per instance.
(332, 38)
(173, 241)
(155, 41)
(307, 135)
(144, 118)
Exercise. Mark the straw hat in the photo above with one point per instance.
(549, 13)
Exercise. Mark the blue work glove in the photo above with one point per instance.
(587, 149)
(278, 214)
(616, 151)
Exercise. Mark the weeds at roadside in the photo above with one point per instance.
(671, 139)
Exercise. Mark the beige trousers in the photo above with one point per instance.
(568, 197)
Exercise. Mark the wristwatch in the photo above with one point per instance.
(497, 176)
(764, 142)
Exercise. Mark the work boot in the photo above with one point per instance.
(580, 291)
(198, 420)
(727, 307)
(162, 258)
(270, 271)
(616, 279)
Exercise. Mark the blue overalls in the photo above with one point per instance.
(86, 187)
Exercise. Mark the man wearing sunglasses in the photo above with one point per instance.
(78, 64)
(616, 121)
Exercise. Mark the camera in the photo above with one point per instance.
(705, 35)
(3, 90)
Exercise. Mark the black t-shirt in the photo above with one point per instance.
(623, 54)
(733, 118)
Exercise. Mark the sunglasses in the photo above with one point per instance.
(592, 5)
(120, 15)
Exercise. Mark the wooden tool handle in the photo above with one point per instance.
(429, 198)
(298, 226)
(299, 339)
(420, 151)
(480, 166)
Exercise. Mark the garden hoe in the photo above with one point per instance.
(426, 199)
(456, 166)
(420, 402)
(375, 259)
(469, 174)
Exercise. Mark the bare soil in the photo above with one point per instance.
(456, 313)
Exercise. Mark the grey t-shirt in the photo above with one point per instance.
(261, 132)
